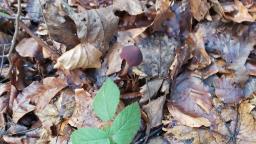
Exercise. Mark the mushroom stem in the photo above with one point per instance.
(125, 70)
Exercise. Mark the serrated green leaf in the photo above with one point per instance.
(89, 136)
(106, 100)
(126, 124)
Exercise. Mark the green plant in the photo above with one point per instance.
(124, 127)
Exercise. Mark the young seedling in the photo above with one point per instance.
(124, 127)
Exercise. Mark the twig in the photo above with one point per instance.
(38, 40)
(14, 36)
(2, 61)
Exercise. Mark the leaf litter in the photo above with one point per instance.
(191, 65)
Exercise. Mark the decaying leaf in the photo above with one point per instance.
(163, 12)
(49, 88)
(192, 98)
(187, 119)
(241, 14)
(28, 47)
(61, 28)
(158, 53)
(247, 123)
(83, 115)
(133, 7)
(154, 110)
(96, 26)
(199, 8)
(150, 89)
(81, 56)
(36, 93)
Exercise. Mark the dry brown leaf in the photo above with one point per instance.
(163, 12)
(6, 87)
(96, 26)
(67, 97)
(200, 58)
(29, 47)
(187, 119)
(61, 28)
(199, 8)
(228, 91)
(49, 116)
(247, 129)
(150, 89)
(194, 135)
(83, 115)
(49, 88)
(133, 7)
(191, 95)
(21, 104)
(81, 56)
(241, 15)
(114, 59)
(154, 110)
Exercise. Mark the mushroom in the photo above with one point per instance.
(132, 56)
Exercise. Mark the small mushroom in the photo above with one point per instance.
(132, 56)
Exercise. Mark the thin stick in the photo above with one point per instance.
(14, 36)
(2, 61)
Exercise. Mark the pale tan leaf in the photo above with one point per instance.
(83, 115)
(29, 47)
(242, 14)
(81, 56)
(154, 110)
(150, 89)
(199, 8)
(186, 119)
(247, 129)
(114, 59)
(133, 7)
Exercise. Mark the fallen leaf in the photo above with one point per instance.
(154, 110)
(191, 96)
(83, 115)
(247, 123)
(150, 89)
(228, 91)
(61, 28)
(81, 56)
(49, 88)
(250, 87)
(67, 103)
(28, 47)
(133, 7)
(241, 15)
(188, 120)
(199, 9)
(96, 26)
(34, 10)
(158, 53)
(163, 12)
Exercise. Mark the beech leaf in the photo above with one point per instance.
(81, 56)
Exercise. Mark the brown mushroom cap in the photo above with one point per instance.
(132, 55)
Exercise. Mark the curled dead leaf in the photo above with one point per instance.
(81, 56)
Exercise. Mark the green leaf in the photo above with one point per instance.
(89, 136)
(126, 124)
(106, 100)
